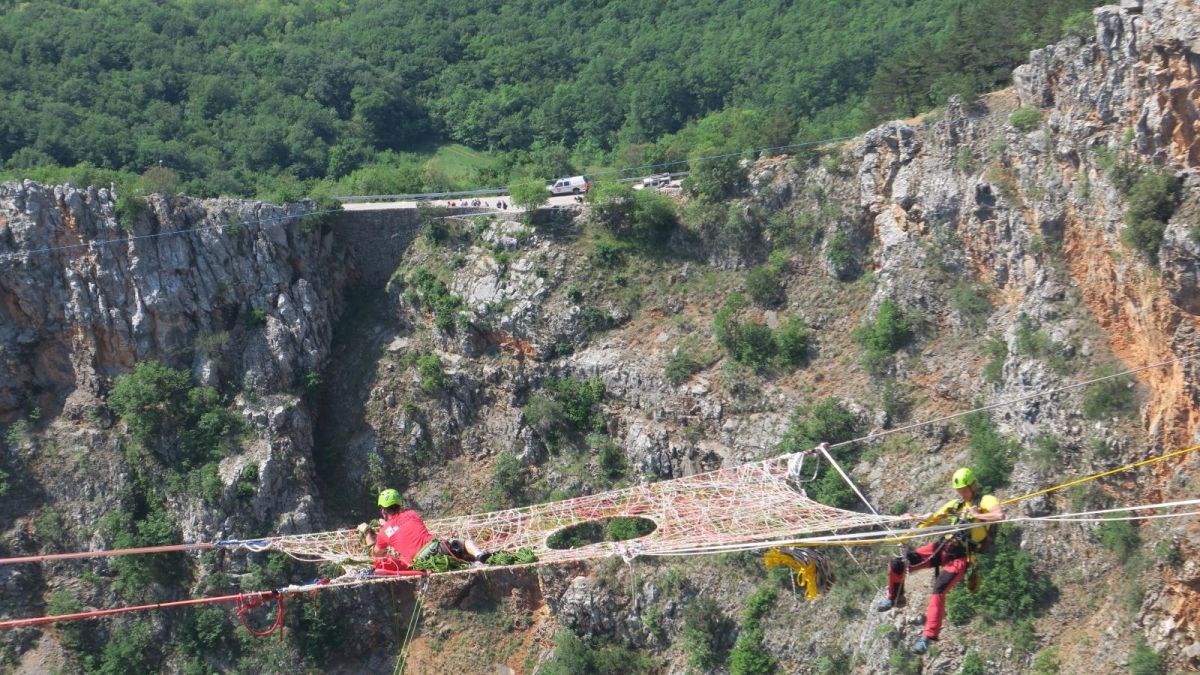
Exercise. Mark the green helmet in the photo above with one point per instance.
(962, 478)
(390, 497)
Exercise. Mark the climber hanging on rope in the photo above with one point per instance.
(950, 557)
(403, 541)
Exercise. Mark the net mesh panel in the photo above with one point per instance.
(740, 505)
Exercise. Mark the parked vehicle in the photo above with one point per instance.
(569, 186)
(657, 180)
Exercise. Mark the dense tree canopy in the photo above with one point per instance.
(234, 94)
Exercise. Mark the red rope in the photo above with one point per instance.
(250, 601)
(245, 603)
(105, 554)
(42, 620)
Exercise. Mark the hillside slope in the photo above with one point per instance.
(1025, 242)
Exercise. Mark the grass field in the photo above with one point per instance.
(458, 163)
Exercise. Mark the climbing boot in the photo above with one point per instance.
(921, 645)
(896, 590)
(888, 603)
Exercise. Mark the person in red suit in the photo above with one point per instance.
(950, 556)
(403, 539)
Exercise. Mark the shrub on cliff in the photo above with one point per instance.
(130, 648)
(609, 456)
(1111, 397)
(509, 481)
(1012, 590)
(433, 377)
(763, 283)
(791, 341)
(640, 216)
(72, 634)
(705, 628)
(748, 656)
(1144, 660)
(1150, 203)
(654, 217)
(1119, 536)
(1026, 118)
(681, 365)
(826, 421)
(971, 303)
(714, 175)
(577, 655)
(149, 398)
(757, 345)
(185, 425)
(435, 296)
(881, 338)
(991, 455)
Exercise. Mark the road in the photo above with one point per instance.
(484, 202)
(489, 202)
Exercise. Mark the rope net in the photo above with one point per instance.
(758, 502)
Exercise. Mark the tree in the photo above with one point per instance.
(714, 175)
(546, 84)
(160, 180)
(149, 398)
(388, 117)
(528, 194)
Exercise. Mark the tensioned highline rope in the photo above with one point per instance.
(1012, 401)
(848, 539)
(1102, 474)
(674, 503)
(156, 235)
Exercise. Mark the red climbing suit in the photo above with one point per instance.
(952, 558)
(405, 534)
(953, 555)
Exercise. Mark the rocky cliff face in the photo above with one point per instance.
(1001, 237)
(1137, 80)
(245, 301)
(85, 300)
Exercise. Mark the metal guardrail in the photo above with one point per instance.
(484, 192)
(419, 196)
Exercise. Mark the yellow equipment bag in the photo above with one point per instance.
(811, 570)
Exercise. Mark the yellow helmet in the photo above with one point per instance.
(964, 477)
(390, 497)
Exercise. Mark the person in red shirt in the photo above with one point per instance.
(403, 539)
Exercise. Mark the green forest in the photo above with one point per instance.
(328, 97)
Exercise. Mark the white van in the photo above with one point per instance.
(569, 186)
(657, 180)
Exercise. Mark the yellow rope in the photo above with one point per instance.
(1085, 479)
(1062, 486)
(402, 657)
